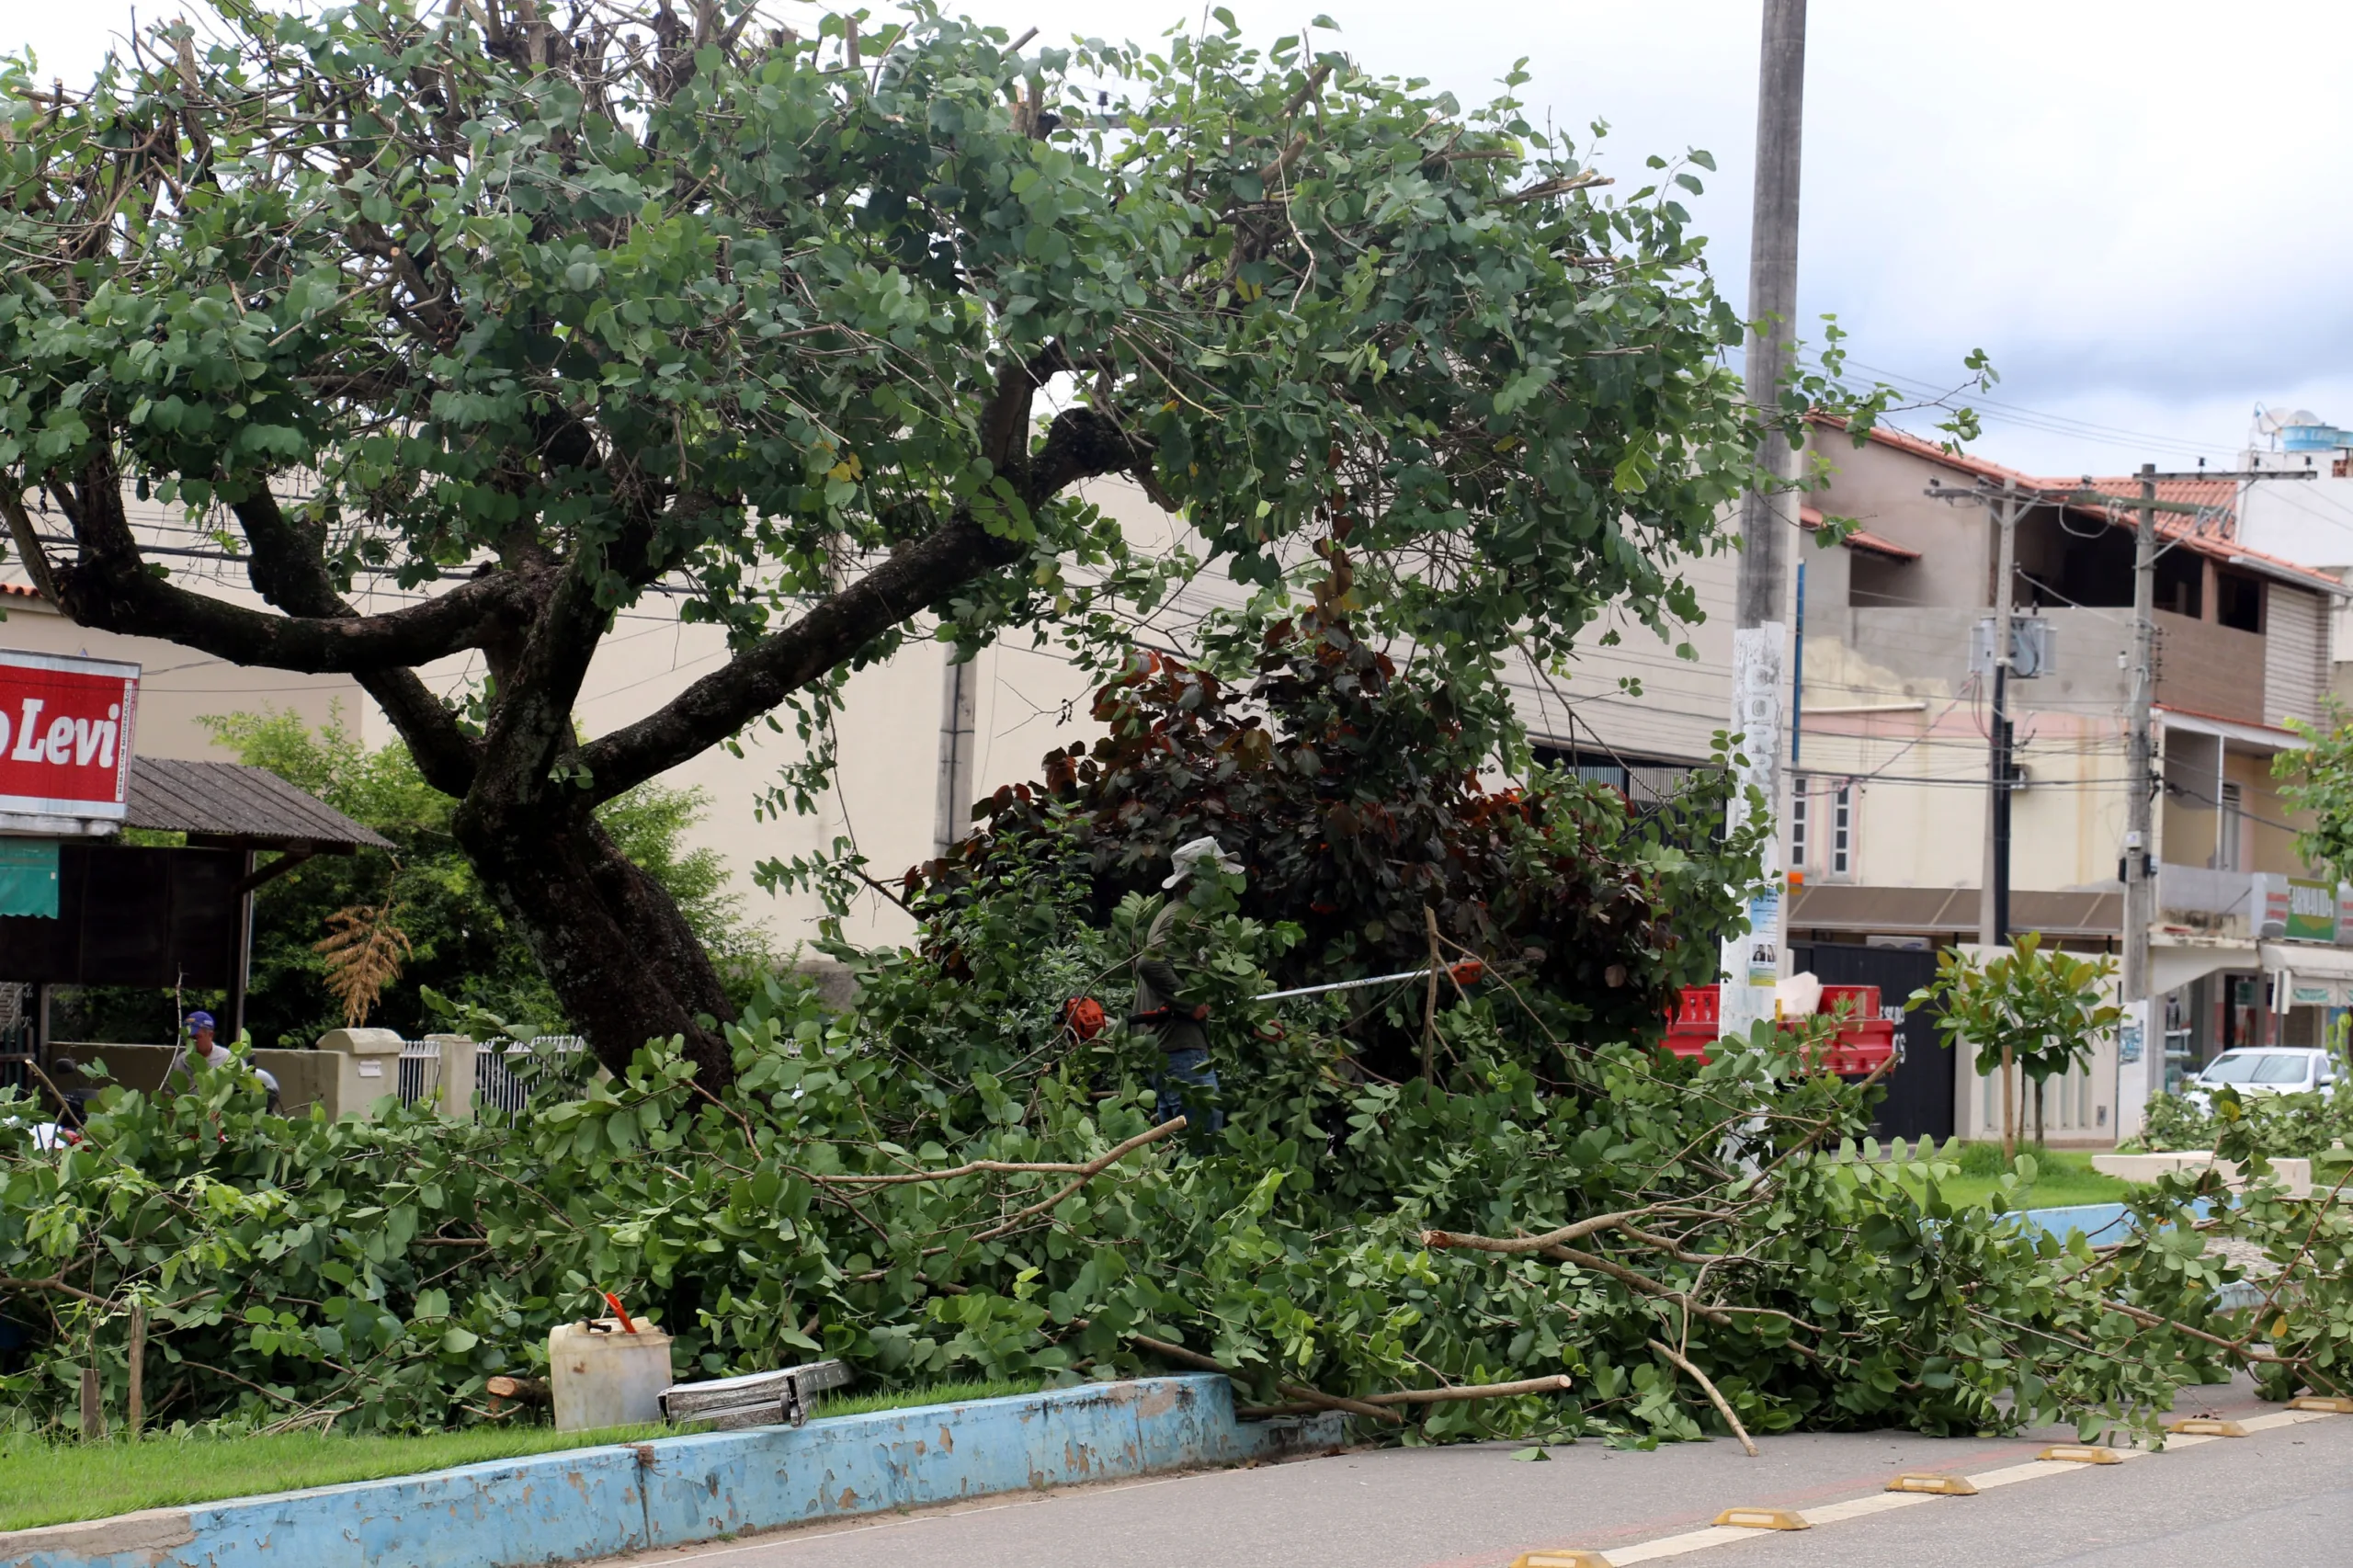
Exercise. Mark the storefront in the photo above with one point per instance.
(2306, 991)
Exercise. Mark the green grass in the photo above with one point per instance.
(2062, 1177)
(936, 1393)
(44, 1482)
(54, 1483)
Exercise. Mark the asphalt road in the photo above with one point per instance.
(2280, 1498)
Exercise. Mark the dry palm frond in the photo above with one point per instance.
(362, 952)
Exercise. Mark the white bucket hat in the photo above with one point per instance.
(1188, 857)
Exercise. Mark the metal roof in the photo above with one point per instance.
(228, 800)
(1833, 906)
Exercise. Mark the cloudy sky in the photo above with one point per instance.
(2135, 209)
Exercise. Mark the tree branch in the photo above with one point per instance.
(108, 586)
(29, 545)
(1714, 1398)
(975, 1167)
(1080, 444)
(1553, 1383)
(1086, 1173)
(54, 1285)
(1440, 1240)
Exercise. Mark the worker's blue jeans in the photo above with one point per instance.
(1185, 1073)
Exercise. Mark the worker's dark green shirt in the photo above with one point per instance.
(1157, 986)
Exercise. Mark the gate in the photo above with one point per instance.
(1919, 1101)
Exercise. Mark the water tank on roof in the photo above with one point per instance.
(2313, 439)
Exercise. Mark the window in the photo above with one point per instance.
(1643, 781)
(2230, 827)
(1842, 830)
(1822, 827)
(2238, 601)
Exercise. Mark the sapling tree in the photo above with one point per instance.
(2026, 1010)
(817, 339)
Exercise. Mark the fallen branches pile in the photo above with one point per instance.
(1540, 1241)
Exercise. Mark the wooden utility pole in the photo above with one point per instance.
(1993, 886)
(1752, 960)
(2141, 786)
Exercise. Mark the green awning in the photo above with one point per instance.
(28, 877)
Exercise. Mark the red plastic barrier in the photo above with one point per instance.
(1864, 1041)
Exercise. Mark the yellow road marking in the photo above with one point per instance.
(1884, 1501)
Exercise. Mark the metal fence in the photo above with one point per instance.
(420, 1071)
(496, 1085)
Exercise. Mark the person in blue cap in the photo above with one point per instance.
(202, 1047)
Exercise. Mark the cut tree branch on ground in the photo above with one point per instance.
(1376, 1405)
(1440, 1241)
(1014, 1167)
(1086, 1173)
(1714, 1398)
(1555, 1383)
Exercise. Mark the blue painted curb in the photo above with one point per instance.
(2104, 1224)
(2101, 1223)
(598, 1502)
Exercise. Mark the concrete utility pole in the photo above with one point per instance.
(952, 818)
(1751, 961)
(1993, 886)
(2140, 771)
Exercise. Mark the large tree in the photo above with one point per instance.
(816, 337)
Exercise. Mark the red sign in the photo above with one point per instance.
(65, 727)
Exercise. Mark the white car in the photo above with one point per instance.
(2264, 1069)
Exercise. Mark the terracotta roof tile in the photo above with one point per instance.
(2219, 542)
(1872, 544)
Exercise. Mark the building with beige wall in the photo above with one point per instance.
(1895, 740)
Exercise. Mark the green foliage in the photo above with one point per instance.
(2293, 1126)
(2038, 1010)
(1340, 1231)
(2317, 780)
(756, 312)
(562, 315)
(1351, 793)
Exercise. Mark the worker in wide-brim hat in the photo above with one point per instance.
(1186, 1084)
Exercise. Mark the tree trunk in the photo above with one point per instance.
(2038, 1113)
(614, 946)
(2010, 1112)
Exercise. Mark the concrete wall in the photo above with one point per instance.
(601, 1502)
(350, 1073)
(1881, 489)
(305, 1078)
(1641, 697)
